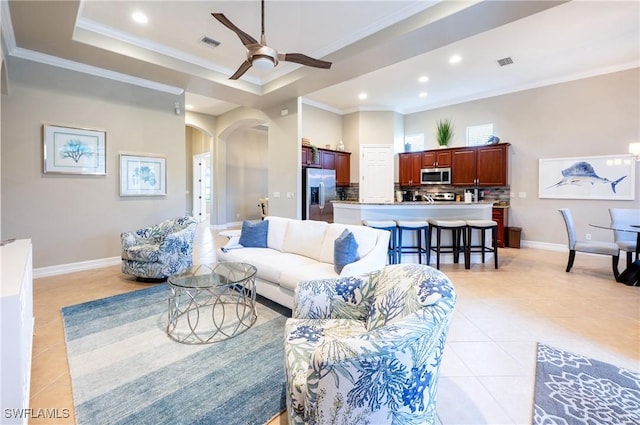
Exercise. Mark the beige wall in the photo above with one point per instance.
(247, 173)
(321, 127)
(285, 171)
(74, 218)
(593, 116)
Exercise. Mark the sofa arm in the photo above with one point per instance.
(407, 354)
(337, 298)
(376, 259)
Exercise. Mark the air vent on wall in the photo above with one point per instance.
(210, 41)
(505, 61)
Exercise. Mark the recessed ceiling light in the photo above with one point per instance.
(188, 106)
(423, 79)
(140, 17)
(455, 59)
(362, 96)
(423, 94)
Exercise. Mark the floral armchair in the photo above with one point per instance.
(367, 349)
(159, 251)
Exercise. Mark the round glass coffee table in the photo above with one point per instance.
(211, 302)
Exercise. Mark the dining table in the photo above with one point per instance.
(625, 227)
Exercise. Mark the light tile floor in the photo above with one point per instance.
(489, 362)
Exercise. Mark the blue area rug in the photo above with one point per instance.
(574, 390)
(126, 370)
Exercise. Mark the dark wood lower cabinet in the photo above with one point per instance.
(501, 216)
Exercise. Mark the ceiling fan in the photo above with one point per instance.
(262, 56)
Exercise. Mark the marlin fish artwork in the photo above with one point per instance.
(582, 173)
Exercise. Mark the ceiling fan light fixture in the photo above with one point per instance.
(263, 62)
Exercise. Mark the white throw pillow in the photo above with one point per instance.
(305, 237)
(277, 231)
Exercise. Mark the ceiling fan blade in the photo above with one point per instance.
(244, 37)
(305, 60)
(243, 68)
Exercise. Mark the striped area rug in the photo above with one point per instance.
(126, 370)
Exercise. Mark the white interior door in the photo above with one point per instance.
(201, 186)
(376, 173)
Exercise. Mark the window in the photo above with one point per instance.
(415, 142)
(479, 134)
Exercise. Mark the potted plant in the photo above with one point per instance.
(444, 132)
(316, 154)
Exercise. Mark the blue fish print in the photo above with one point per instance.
(582, 173)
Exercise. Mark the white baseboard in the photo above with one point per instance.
(545, 246)
(75, 267)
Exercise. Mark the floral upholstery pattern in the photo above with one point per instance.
(367, 349)
(158, 251)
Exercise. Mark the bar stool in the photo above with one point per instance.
(458, 229)
(483, 226)
(418, 227)
(390, 226)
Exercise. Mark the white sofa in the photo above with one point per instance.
(300, 250)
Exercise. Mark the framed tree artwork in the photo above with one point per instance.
(71, 150)
(143, 175)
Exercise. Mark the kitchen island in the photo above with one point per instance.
(354, 212)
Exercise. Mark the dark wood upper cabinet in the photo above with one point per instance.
(343, 168)
(436, 158)
(480, 166)
(307, 159)
(329, 160)
(409, 165)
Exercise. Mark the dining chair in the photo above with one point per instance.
(590, 247)
(626, 241)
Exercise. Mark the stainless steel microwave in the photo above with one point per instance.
(435, 176)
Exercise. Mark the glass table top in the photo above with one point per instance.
(212, 275)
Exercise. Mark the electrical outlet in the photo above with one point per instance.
(588, 236)
(237, 215)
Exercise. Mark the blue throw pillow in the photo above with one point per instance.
(345, 250)
(254, 234)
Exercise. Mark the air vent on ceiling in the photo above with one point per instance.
(505, 61)
(210, 41)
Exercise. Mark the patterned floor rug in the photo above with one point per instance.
(126, 370)
(572, 389)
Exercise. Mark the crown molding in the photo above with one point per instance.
(31, 55)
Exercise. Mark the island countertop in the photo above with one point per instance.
(354, 212)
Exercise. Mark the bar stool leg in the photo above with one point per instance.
(399, 248)
(429, 233)
(438, 231)
(467, 250)
(494, 234)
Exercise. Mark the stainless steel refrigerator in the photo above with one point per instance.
(319, 190)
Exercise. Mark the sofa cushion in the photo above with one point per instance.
(271, 267)
(245, 255)
(345, 250)
(254, 234)
(305, 237)
(291, 278)
(277, 231)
